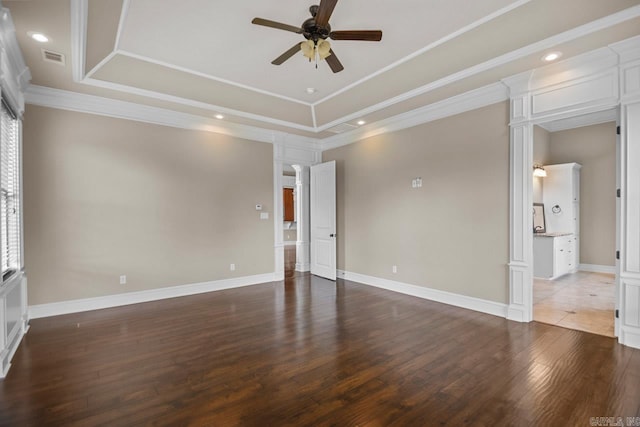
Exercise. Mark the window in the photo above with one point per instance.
(10, 191)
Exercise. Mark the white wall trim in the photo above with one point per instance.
(97, 303)
(467, 101)
(289, 242)
(594, 268)
(457, 300)
(73, 101)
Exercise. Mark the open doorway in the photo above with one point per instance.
(574, 243)
(289, 219)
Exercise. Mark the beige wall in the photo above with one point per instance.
(451, 234)
(106, 197)
(541, 153)
(594, 147)
(290, 235)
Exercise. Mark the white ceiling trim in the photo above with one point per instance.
(541, 45)
(79, 16)
(209, 77)
(100, 64)
(123, 16)
(427, 48)
(73, 101)
(468, 101)
(313, 117)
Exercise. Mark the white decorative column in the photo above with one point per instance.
(521, 201)
(303, 218)
(278, 212)
(629, 54)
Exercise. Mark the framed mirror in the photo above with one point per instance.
(539, 223)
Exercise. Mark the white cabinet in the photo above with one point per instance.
(561, 198)
(557, 252)
(554, 255)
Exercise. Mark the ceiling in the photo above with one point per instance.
(204, 57)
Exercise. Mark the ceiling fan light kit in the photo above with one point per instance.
(316, 30)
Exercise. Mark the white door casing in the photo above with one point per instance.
(291, 153)
(588, 84)
(323, 220)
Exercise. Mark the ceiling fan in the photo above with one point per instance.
(316, 30)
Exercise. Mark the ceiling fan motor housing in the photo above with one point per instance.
(311, 31)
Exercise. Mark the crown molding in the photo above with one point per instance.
(471, 100)
(73, 101)
(191, 103)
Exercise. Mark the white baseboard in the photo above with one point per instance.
(463, 301)
(87, 304)
(289, 242)
(630, 336)
(594, 268)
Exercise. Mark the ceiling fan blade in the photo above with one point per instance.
(334, 62)
(364, 35)
(288, 54)
(324, 12)
(277, 25)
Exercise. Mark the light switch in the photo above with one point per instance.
(264, 215)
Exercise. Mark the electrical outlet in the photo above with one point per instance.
(232, 267)
(418, 182)
(414, 183)
(123, 280)
(394, 269)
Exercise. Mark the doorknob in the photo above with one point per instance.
(332, 235)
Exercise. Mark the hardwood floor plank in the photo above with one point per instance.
(307, 351)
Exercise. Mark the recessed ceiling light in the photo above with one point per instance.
(361, 122)
(552, 56)
(39, 37)
(311, 90)
(219, 116)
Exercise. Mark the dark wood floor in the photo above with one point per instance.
(312, 352)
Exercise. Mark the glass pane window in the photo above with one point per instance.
(9, 191)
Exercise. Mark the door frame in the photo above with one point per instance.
(588, 86)
(303, 155)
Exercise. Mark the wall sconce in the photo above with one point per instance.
(539, 171)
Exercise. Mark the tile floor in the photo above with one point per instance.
(583, 301)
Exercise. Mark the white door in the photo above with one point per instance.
(323, 220)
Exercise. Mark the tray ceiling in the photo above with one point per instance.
(206, 58)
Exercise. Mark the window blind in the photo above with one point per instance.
(9, 188)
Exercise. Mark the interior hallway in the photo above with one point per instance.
(584, 301)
